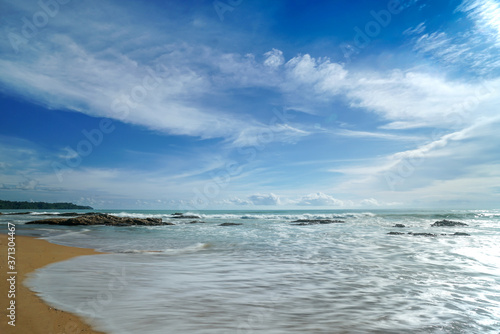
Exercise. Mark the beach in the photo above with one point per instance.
(32, 314)
(266, 272)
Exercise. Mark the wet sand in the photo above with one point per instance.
(32, 315)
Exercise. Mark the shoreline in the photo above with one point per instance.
(32, 314)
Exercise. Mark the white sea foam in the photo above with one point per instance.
(170, 251)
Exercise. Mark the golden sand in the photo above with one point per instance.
(32, 315)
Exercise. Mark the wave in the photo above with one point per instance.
(64, 235)
(248, 216)
(170, 251)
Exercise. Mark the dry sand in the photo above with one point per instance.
(33, 316)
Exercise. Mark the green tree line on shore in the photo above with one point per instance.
(12, 205)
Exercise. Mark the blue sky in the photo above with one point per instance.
(240, 104)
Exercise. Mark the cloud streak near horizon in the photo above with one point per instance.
(249, 111)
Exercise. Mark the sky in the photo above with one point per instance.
(242, 104)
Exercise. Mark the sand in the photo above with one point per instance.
(32, 314)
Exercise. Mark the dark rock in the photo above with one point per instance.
(179, 215)
(304, 222)
(399, 225)
(448, 223)
(230, 224)
(423, 234)
(428, 234)
(101, 219)
(196, 222)
(461, 234)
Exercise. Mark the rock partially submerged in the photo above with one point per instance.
(428, 234)
(179, 215)
(102, 219)
(230, 224)
(304, 222)
(461, 234)
(447, 223)
(423, 234)
(399, 225)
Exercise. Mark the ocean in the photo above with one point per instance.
(270, 276)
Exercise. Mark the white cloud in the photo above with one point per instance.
(445, 168)
(486, 15)
(264, 199)
(475, 51)
(319, 199)
(274, 58)
(370, 202)
(236, 201)
(379, 135)
(416, 30)
(320, 74)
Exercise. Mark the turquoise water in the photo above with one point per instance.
(268, 276)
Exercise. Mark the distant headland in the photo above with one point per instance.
(12, 205)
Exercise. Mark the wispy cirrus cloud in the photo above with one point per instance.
(474, 51)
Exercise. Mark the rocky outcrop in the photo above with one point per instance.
(101, 219)
(230, 224)
(422, 234)
(399, 225)
(179, 215)
(447, 223)
(461, 234)
(305, 222)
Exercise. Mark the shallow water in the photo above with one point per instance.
(268, 276)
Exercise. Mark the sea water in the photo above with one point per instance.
(270, 276)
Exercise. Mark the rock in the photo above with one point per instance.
(461, 234)
(399, 225)
(448, 223)
(102, 219)
(304, 222)
(179, 215)
(230, 224)
(196, 222)
(428, 234)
